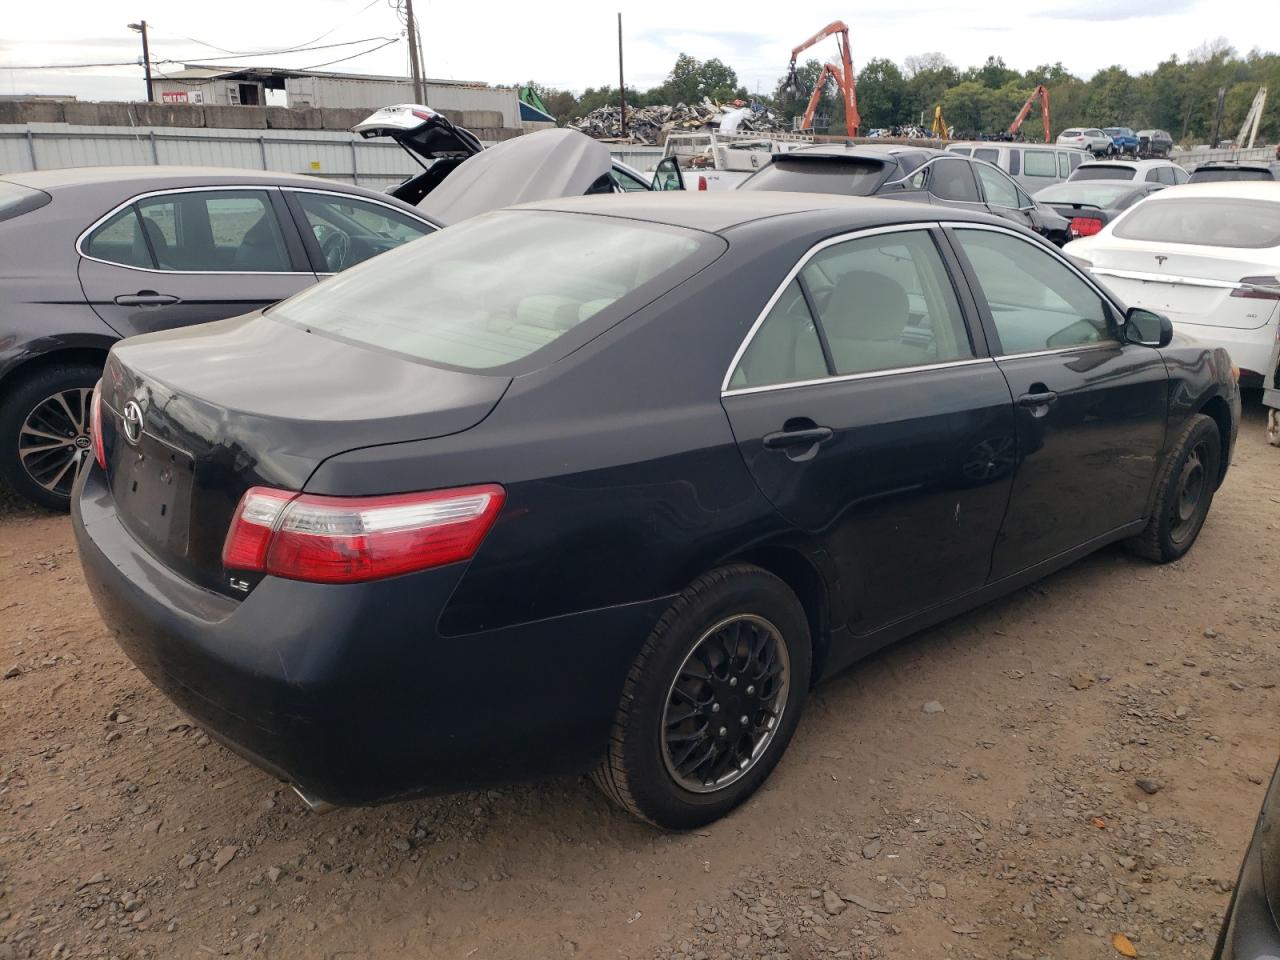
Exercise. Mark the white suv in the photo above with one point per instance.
(1088, 138)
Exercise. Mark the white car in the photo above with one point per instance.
(1207, 255)
(1088, 138)
(1142, 171)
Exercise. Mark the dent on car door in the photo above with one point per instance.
(191, 256)
(1090, 409)
(868, 415)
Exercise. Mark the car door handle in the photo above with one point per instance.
(796, 438)
(146, 298)
(1037, 399)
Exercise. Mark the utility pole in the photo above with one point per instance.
(415, 65)
(622, 87)
(1217, 119)
(141, 27)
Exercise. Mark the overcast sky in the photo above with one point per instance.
(574, 45)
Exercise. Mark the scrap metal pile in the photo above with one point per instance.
(652, 124)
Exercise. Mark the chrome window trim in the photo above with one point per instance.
(355, 196)
(185, 273)
(1062, 258)
(846, 377)
(918, 226)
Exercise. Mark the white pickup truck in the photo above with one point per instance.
(720, 161)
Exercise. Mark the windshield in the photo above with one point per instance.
(1103, 171)
(15, 200)
(1096, 193)
(1210, 222)
(498, 288)
(851, 176)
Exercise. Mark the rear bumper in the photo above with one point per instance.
(348, 691)
(1250, 350)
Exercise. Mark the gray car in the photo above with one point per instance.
(93, 254)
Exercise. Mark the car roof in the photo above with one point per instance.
(1266, 165)
(718, 211)
(1223, 190)
(901, 153)
(1126, 164)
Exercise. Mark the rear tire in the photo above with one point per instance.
(711, 701)
(44, 431)
(1184, 493)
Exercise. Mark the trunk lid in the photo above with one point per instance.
(1195, 286)
(423, 132)
(545, 165)
(192, 418)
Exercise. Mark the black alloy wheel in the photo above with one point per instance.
(711, 701)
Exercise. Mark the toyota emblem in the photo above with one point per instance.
(133, 422)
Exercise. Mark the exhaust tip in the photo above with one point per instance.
(314, 804)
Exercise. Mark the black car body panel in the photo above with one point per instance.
(1251, 928)
(629, 470)
(902, 173)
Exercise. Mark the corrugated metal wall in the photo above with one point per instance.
(327, 92)
(340, 156)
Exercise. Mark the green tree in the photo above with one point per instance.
(1113, 100)
(692, 79)
(882, 94)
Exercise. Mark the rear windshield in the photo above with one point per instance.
(851, 177)
(15, 200)
(497, 289)
(1215, 222)
(1220, 175)
(1069, 133)
(1103, 171)
(1094, 193)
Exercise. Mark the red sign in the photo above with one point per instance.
(174, 96)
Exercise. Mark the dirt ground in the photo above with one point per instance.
(1007, 824)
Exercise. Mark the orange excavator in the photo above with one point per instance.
(1042, 93)
(841, 73)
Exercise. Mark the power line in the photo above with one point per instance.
(353, 56)
(305, 44)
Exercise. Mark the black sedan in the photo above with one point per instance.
(1250, 930)
(908, 173)
(610, 483)
(1089, 205)
(92, 254)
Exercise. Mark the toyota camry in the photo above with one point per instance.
(609, 483)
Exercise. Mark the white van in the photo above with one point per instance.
(1033, 165)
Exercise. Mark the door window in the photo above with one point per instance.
(627, 183)
(885, 302)
(988, 154)
(785, 348)
(1037, 302)
(1076, 158)
(1013, 162)
(951, 180)
(350, 231)
(214, 231)
(1064, 166)
(120, 240)
(1040, 163)
(997, 189)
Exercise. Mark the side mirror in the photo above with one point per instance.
(1147, 328)
(667, 175)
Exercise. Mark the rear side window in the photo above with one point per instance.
(963, 151)
(854, 177)
(1245, 224)
(785, 348)
(120, 240)
(952, 180)
(15, 200)
(215, 231)
(1040, 163)
(1064, 166)
(886, 302)
(499, 288)
(987, 153)
(1075, 158)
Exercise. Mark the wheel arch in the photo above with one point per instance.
(803, 578)
(1216, 409)
(91, 352)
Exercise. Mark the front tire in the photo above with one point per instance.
(44, 432)
(1184, 493)
(711, 701)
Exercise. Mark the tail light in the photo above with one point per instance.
(1085, 226)
(95, 426)
(303, 536)
(702, 182)
(426, 113)
(1258, 288)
